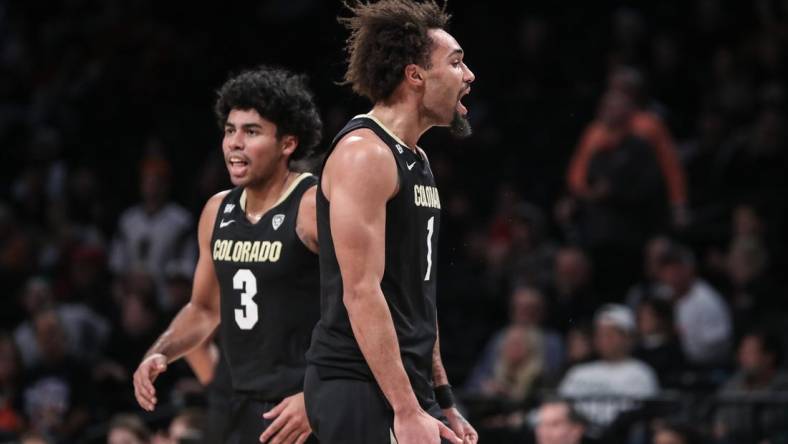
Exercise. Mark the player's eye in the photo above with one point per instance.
(228, 131)
(252, 132)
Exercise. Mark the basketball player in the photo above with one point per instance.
(258, 269)
(374, 364)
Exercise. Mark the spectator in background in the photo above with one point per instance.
(647, 124)
(649, 286)
(619, 172)
(518, 365)
(657, 345)
(615, 375)
(517, 247)
(702, 317)
(760, 357)
(571, 296)
(128, 429)
(751, 292)
(527, 307)
(155, 234)
(579, 345)
(86, 280)
(55, 391)
(747, 223)
(186, 428)
(559, 423)
(139, 322)
(86, 332)
(11, 420)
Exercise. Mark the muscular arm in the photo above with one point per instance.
(199, 318)
(306, 225)
(439, 376)
(359, 178)
(203, 360)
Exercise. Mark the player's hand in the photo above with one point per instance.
(461, 426)
(290, 424)
(421, 428)
(150, 368)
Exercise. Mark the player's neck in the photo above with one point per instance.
(261, 197)
(404, 122)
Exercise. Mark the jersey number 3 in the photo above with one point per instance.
(247, 316)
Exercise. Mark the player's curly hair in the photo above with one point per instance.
(279, 96)
(385, 37)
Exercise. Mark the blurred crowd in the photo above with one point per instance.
(615, 236)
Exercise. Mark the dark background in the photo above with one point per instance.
(89, 89)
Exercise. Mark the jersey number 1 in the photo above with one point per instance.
(430, 229)
(245, 281)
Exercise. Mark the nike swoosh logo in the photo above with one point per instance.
(224, 223)
(411, 165)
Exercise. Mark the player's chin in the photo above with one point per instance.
(240, 181)
(459, 125)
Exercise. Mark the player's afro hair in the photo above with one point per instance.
(385, 37)
(279, 96)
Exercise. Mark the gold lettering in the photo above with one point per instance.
(276, 250)
(255, 251)
(228, 245)
(265, 249)
(237, 251)
(245, 254)
(216, 249)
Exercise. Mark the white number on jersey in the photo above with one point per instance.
(247, 316)
(430, 228)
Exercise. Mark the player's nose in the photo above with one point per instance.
(469, 75)
(234, 141)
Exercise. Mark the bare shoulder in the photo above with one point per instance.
(362, 163)
(361, 148)
(212, 205)
(209, 212)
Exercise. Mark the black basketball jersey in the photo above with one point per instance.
(412, 225)
(269, 284)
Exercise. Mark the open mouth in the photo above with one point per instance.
(462, 109)
(237, 165)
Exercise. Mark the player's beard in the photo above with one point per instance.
(460, 126)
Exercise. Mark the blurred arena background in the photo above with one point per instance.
(624, 152)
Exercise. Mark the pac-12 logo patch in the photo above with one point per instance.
(228, 208)
(277, 221)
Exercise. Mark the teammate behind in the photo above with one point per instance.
(374, 363)
(257, 271)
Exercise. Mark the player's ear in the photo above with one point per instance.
(288, 143)
(414, 74)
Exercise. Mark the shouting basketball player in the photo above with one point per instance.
(258, 268)
(374, 364)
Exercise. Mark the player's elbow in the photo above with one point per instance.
(354, 294)
(204, 312)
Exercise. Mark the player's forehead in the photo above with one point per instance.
(443, 44)
(250, 116)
